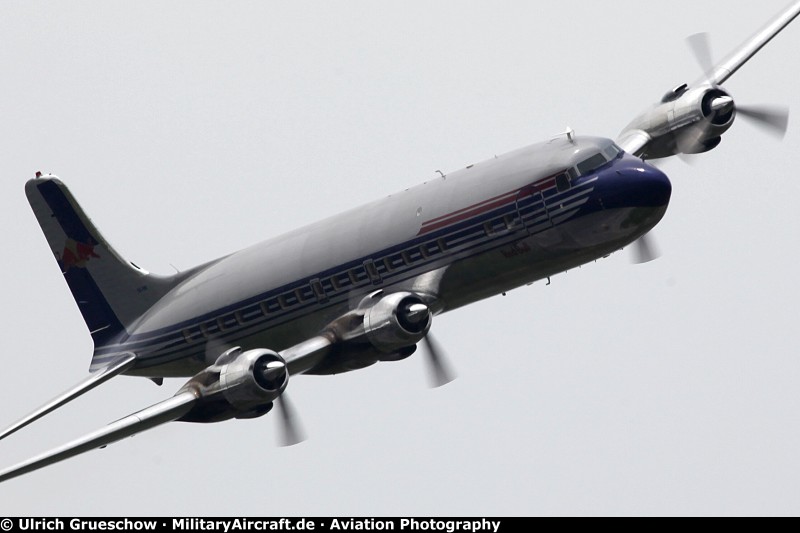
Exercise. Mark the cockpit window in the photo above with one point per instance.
(590, 164)
(563, 182)
(612, 152)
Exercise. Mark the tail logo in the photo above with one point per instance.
(76, 254)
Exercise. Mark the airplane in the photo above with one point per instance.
(364, 286)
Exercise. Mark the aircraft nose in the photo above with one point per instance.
(635, 185)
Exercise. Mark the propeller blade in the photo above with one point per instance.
(291, 430)
(773, 120)
(645, 250)
(700, 44)
(689, 159)
(440, 373)
(690, 143)
(216, 348)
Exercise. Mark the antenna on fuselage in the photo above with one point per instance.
(570, 133)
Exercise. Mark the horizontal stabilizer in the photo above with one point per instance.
(117, 366)
(155, 415)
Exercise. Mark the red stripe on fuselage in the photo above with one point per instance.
(482, 207)
(469, 213)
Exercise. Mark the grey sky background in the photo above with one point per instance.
(188, 130)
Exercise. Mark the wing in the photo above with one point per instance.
(240, 384)
(160, 413)
(752, 46)
(117, 366)
(245, 384)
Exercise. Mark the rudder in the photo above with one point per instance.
(110, 292)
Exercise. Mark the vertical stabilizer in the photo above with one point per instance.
(111, 292)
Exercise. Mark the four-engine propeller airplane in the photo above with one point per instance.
(363, 287)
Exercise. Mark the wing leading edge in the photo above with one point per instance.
(752, 46)
(160, 413)
(117, 366)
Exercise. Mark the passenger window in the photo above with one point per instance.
(270, 306)
(227, 322)
(372, 272)
(357, 275)
(319, 291)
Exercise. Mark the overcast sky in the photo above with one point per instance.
(188, 130)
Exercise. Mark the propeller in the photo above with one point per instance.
(700, 44)
(291, 430)
(773, 120)
(418, 315)
(770, 119)
(645, 250)
(438, 367)
(273, 372)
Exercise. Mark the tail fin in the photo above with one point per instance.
(111, 292)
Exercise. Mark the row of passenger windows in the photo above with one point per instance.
(370, 271)
(318, 290)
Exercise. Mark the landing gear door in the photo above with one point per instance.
(532, 211)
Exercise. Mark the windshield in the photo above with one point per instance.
(592, 163)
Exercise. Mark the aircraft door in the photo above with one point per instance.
(532, 210)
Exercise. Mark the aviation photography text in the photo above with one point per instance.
(226, 525)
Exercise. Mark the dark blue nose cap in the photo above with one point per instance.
(634, 185)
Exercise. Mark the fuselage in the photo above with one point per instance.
(459, 238)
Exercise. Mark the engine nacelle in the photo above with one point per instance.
(397, 321)
(687, 121)
(239, 384)
(253, 378)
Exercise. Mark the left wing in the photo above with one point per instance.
(752, 46)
